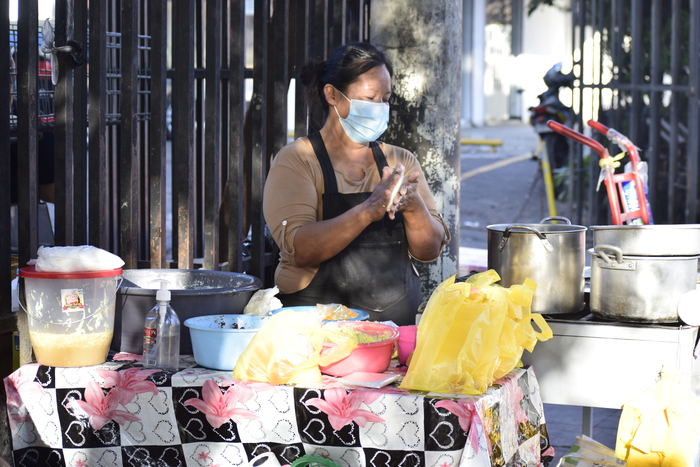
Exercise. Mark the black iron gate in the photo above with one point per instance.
(637, 64)
(162, 138)
(148, 61)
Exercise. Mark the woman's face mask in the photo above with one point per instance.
(366, 120)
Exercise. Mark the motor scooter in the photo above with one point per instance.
(551, 108)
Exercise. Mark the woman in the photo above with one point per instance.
(327, 199)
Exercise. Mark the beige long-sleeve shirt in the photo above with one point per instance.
(292, 198)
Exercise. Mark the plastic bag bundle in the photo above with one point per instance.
(473, 333)
(661, 426)
(287, 350)
(75, 259)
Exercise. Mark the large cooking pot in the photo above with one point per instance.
(639, 289)
(552, 255)
(650, 240)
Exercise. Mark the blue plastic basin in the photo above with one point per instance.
(218, 340)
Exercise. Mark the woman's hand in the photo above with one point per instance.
(410, 200)
(376, 204)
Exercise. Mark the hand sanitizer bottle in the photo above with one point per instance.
(161, 333)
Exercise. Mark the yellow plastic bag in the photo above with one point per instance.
(287, 350)
(473, 333)
(661, 426)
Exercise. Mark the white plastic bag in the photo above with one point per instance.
(262, 302)
(75, 259)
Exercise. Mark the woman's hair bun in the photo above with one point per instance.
(310, 73)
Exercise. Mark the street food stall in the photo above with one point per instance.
(349, 399)
(431, 408)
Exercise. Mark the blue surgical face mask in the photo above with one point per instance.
(366, 120)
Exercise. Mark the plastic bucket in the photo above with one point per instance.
(71, 315)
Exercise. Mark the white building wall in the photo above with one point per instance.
(546, 40)
(498, 84)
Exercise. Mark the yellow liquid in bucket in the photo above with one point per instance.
(70, 350)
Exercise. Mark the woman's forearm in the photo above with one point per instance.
(424, 234)
(317, 242)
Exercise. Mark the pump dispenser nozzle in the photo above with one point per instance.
(163, 294)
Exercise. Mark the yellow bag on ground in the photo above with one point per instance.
(473, 333)
(661, 426)
(287, 350)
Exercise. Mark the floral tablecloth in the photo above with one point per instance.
(119, 414)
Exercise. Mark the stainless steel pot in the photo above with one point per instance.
(650, 240)
(639, 289)
(552, 255)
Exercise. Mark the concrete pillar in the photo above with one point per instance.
(424, 43)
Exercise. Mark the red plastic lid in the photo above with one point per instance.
(30, 271)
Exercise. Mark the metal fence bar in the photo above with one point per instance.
(674, 109)
(80, 132)
(199, 116)
(5, 166)
(158, 132)
(236, 140)
(98, 178)
(212, 152)
(63, 121)
(691, 194)
(143, 121)
(654, 105)
(576, 151)
(278, 58)
(258, 106)
(129, 190)
(637, 30)
(27, 113)
(302, 50)
(183, 150)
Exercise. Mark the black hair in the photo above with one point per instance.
(343, 67)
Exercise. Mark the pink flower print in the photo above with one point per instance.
(218, 407)
(100, 409)
(129, 383)
(248, 389)
(469, 419)
(343, 408)
(127, 357)
(21, 384)
(516, 395)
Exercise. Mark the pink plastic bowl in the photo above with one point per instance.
(372, 358)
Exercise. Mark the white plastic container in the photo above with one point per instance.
(71, 315)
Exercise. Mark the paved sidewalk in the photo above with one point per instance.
(504, 188)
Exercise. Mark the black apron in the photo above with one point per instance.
(374, 272)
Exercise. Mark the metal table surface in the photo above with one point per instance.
(594, 363)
